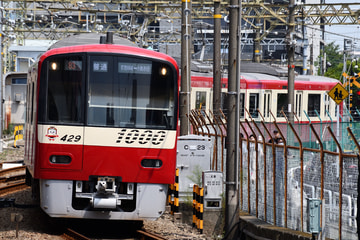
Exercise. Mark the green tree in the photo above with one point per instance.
(334, 59)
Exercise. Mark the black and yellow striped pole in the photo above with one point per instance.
(176, 192)
(201, 210)
(195, 187)
(170, 202)
(198, 207)
(18, 134)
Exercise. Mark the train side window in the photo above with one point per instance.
(298, 100)
(327, 103)
(242, 105)
(266, 109)
(224, 99)
(313, 104)
(254, 105)
(200, 100)
(282, 103)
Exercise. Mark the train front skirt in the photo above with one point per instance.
(148, 201)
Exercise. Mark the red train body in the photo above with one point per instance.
(101, 131)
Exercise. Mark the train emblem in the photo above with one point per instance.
(52, 133)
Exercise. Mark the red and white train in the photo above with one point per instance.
(101, 130)
(267, 94)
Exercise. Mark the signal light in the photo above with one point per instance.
(358, 92)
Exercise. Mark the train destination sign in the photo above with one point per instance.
(338, 93)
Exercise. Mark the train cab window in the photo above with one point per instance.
(60, 97)
(200, 100)
(282, 104)
(128, 92)
(254, 105)
(313, 105)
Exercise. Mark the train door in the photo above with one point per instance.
(298, 103)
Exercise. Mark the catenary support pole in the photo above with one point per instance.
(291, 43)
(185, 67)
(217, 59)
(232, 199)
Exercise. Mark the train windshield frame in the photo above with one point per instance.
(108, 90)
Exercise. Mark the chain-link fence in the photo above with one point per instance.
(282, 165)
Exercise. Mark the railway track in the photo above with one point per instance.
(12, 179)
(141, 235)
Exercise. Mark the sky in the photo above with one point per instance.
(337, 33)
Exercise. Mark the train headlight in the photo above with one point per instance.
(60, 159)
(54, 66)
(151, 163)
(163, 71)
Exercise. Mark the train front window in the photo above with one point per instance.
(60, 98)
(128, 92)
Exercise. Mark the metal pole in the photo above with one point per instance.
(291, 43)
(257, 46)
(232, 199)
(217, 59)
(185, 67)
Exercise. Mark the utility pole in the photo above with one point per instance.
(257, 41)
(231, 196)
(291, 43)
(217, 59)
(185, 67)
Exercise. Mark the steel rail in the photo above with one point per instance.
(143, 235)
(72, 235)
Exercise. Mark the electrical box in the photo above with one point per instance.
(313, 211)
(193, 157)
(18, 97)
(213, 188)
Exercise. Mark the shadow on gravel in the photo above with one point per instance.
(103, 229)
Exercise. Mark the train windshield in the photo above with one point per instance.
(109, 91)
(130, 92)
(61, 98)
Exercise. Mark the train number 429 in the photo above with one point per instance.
(70, 138)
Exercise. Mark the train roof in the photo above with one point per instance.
(267, 77)
(313, 78)
(89, 38)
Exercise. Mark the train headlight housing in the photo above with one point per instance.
(151, 163)
(60, 159)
